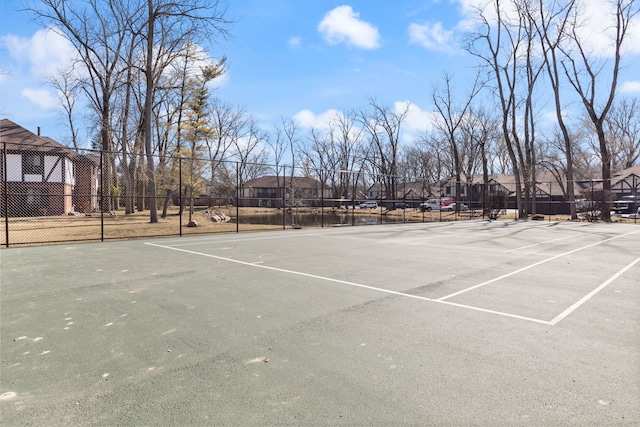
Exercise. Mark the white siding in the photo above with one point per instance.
(69, 172)
(49, 164)
(32, 178)
(14, 167)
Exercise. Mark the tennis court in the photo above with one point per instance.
(465, 323)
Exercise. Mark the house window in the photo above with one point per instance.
(36, 197)
(266, 192)
(32, 164)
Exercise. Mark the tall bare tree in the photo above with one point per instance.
(551, 20)
(97, 29)
(480, 130)
(224, 118)
(499, 43)
(585, 72)
(383, 126)
(169, 26)
(250, 143)
(348, 144)
(623, 130)
(68, 88)
(451, 115)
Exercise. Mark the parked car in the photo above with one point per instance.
(436, 205)
(369, 205)
(463, 207)
(401, 206)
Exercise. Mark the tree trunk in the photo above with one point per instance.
(148, 105)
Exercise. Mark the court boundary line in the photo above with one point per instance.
(535, 264)
(358, 285)
(588, 296)
(541, 243)
(298, 273)
(442, 300)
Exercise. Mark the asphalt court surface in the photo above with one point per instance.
(536, 272)
(465, 323)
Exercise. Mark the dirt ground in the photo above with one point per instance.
(118, 225)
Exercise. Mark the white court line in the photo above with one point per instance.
(236, 240)
(499, 313)
(440, 300)
(298, 273)
(571, 309)
(357, 285)
(541, 243)
(535, 264)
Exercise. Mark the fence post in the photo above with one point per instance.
(6, 194)
(237, 197)
(284, 199)
(179, 192)
(321, 199)
(102, 179)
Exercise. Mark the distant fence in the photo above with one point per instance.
(54, 195)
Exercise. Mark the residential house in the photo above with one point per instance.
(43, 177)
(412, 193)
(276, 192)
(549, 196)
(626, 183)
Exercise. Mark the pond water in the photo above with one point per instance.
(317, 220)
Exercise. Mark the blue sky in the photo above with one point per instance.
(286, 58)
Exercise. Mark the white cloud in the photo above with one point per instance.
(220, 81)
(417, 120)
(44, 53)
(630, 86)
(294, 43)
(432, 36)
(599, 32)
(342, 25)
(596, 31)
(308, 119)
(41, 97)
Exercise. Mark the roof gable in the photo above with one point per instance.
(273, 181)
(18, 138)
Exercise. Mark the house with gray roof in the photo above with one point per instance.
(282, 191)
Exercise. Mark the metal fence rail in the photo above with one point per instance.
(53, 195)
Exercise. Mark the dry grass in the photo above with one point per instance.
(43, 230)
(46, 230)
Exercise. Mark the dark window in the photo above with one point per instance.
(36, 197)
(32, 164)
(266, 192)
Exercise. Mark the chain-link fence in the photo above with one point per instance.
(51, 194)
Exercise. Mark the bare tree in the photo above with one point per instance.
(449, 120)
(320, 155)
(585, 73)
(175, 24)
(105, 35)
(224, 119)
(480, 129)
(68, 88)
(499, 43)
(249, 143)
(383, 128)
(623, 131)
(278, 148)
(289, 130)
(97, 29)
(551, 21)
(337, 151)
(348, 145)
